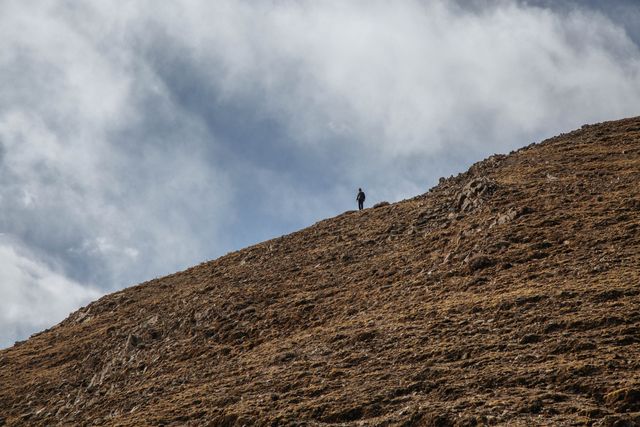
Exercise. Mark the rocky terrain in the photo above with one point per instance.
(507, 295)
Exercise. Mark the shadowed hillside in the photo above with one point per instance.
(507, 295)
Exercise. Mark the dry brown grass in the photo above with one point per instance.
(519, 307)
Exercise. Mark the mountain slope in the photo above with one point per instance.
(506, 295)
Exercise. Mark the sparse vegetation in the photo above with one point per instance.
(507, 295)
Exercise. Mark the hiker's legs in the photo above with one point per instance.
(360, 205)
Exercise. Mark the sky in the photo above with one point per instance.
(140, 138)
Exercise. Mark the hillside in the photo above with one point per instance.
(507, 295)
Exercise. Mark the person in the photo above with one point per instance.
(360, 198)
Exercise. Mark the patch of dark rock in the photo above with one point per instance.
(505, 306)
(227, 420)
(365, 336)
(572, 347)
(632, 330)
(133, 340)
(352, 311)
(525, 210)
(307, 308)
(518, 238)
(380, 205)
(499, 245)
(285, 357)
(476, 309)
(350, 362)
(536, 255)
(570, 373)
(373, 410)
(555, 397)
(480, 262)
(608, 295)
(352, 414)
(533, 407)
(440, 420)
(627, 420)
(576, 387)
(593, 412)
(610, 321)
(155, 334)
(549, 222)
(541, 245)
(532, 299)
(449, 393)
(624, 399)
(506, 265)
(476, 281)
(239, 335)
(585, 370)
(627, 340)
(530, 339)
(210, 333)
(554, 326)
(338, 337)
(418, 386)
(472, 421)
(567, 294)
(346, 257)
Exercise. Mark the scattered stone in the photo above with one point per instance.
(380, 204)
(510, 215)
(472, 194)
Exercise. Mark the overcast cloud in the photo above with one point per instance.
(139, 138)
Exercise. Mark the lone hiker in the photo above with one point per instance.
(360, 198)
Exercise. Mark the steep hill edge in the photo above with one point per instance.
(505, 295)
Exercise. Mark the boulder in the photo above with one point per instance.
(473, 193)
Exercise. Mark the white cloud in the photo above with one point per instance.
(34, 295)
(412, 79)
(140, 138)
(405, 71)
(86, 185)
